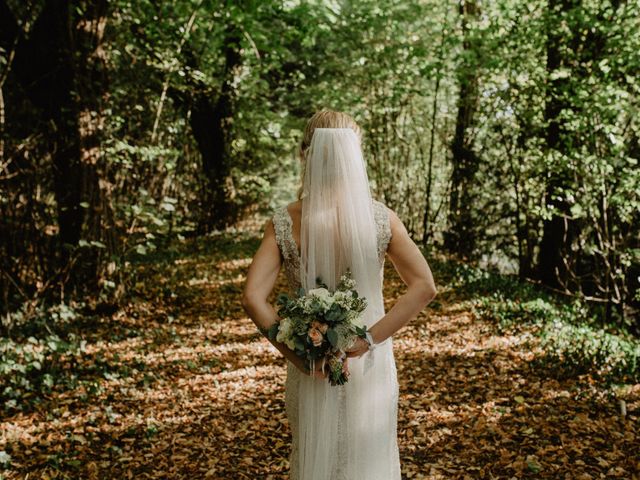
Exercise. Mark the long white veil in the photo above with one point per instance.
(338, 232)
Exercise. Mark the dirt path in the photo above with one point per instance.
(199, 394)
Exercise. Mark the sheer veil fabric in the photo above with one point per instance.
(348, 431)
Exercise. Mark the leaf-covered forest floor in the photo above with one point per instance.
(191, 390)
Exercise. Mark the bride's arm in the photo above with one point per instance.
(261, 278)
(414, 272)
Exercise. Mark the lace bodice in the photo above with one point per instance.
(283, 226)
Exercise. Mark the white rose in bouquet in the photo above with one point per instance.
(285, 333)
(322, 295)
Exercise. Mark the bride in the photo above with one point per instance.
(345, 432)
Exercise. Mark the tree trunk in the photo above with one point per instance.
(426, 227)
(212, 126)
(559, 231)
(60, 68)
(460, 236)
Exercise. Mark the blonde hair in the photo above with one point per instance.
(324, 118)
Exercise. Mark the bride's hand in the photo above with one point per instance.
(359, 348)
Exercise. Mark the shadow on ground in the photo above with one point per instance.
(194, 391)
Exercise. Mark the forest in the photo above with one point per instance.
(144, 144)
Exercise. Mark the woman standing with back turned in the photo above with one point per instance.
(345, 432)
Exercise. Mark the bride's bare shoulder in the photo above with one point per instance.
(295, 207)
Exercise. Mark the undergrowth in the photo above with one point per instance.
(572, 336)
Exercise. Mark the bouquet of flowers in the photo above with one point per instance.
(320, 325)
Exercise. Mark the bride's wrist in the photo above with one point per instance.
(374, 335)
(369, 339)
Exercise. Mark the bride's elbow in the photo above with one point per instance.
(253, 301)
(433, 292)
(427, 291)
(246, 302)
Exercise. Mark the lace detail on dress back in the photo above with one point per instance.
(381, 215)
(283, 225)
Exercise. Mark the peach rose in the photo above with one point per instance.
(316, 337)
(323, 327)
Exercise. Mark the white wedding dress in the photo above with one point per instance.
(346, 432)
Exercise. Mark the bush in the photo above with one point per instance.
(572, 339)
(509, 313)
(40, 354)
(577, 349)
(473, 281)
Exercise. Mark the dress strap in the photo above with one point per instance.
(282, 226)
(381, 215)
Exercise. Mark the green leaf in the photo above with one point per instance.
(533, 465)
(5, 458)
(272, 331)
(332, 336)
(576, 210)
(47, 380)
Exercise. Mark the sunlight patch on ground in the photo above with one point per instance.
(234, 263)
(203, 393)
